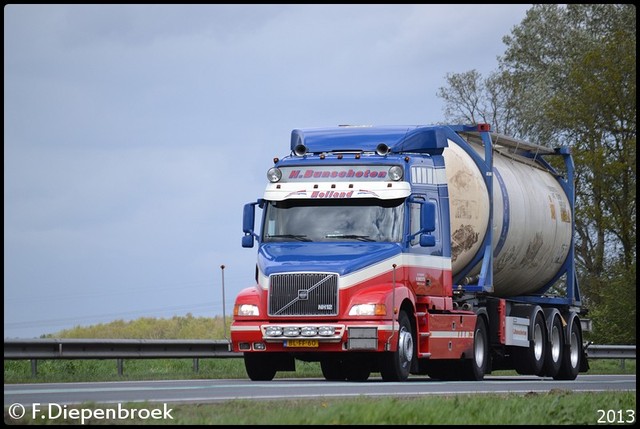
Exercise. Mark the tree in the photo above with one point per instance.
(472, 99)
(568, 77)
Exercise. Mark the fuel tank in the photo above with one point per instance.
(532, 223)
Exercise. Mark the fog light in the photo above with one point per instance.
(326, 331)
(259, 346)
(291, 331)
(309, 331)
(244, 346)
(273, 331)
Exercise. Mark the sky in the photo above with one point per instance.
(134, 135)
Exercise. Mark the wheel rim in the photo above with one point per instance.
(555, 344)
(574, 349)
(479, 349)
(405, 346)
(537, 342)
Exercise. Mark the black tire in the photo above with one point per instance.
(475, 368)
(333, 370)
(555, 350)
(572, 356)
(357, 370)
(260, 366)
(397, 365)
(445, 369)
(530, 360)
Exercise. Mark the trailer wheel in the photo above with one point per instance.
(259, 366)
(572, 356)
(396, 365)
(530, 360)
(553, 360)
(476, 367)
(333, 370)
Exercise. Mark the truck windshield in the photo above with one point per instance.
(339, 220)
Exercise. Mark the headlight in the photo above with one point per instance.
(368, 310)
(396, 172)
(274, 174)
(246, 310)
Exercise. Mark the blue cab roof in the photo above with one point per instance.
(399, 138)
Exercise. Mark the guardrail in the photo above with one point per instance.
(595, 351)
(120, 349)
(73, 348)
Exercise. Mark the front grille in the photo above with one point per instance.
(303, 294)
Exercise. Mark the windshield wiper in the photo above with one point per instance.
(353, 236)
(294, 236)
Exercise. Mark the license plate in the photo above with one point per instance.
(301, 343)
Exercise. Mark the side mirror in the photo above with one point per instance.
(427, 224)
(248, 218)
(427, 240)
(247, 240)
(248, 221)
(427, 217)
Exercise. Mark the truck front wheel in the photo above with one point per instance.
(396, 365)
(333, 370)
(475, 368)
(260, 366)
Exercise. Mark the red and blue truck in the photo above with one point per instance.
(443, 250)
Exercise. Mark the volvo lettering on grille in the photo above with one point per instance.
(303, 294)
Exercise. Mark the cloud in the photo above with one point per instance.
(134, 134)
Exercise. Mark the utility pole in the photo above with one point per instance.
(224, 315)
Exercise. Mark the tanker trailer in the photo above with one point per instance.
(443, 250)
(532, 222)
